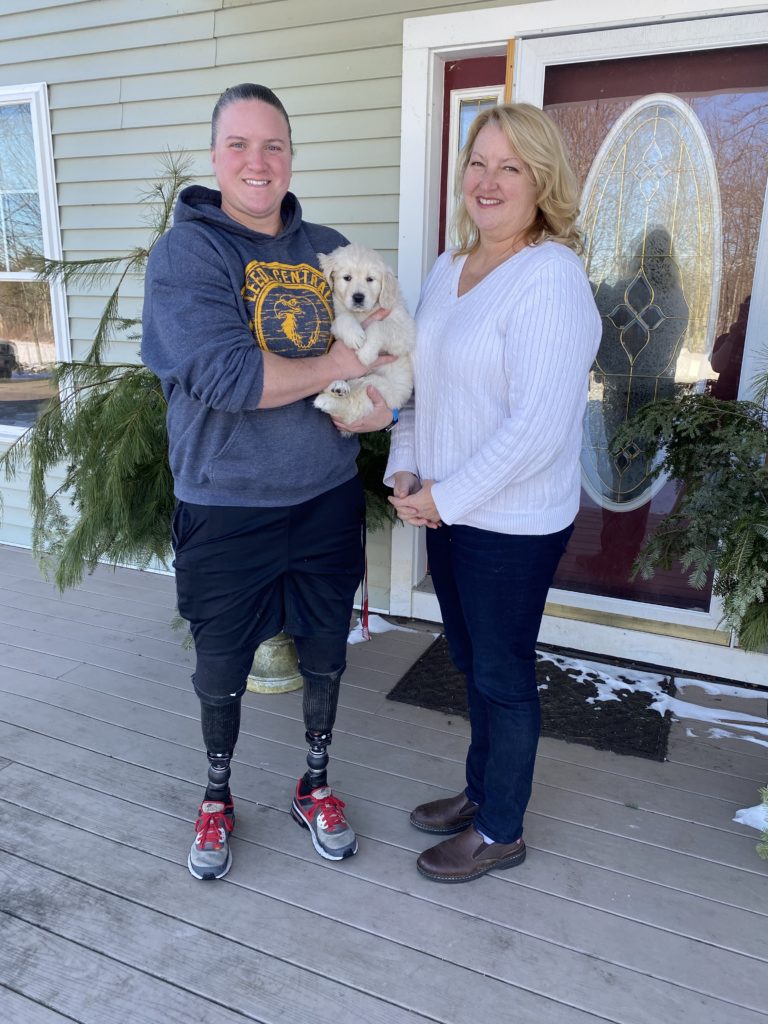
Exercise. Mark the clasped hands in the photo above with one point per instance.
(412, 500)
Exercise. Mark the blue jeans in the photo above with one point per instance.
(492, 588)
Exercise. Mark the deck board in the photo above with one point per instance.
(18, 1008)
(355, 731)
(490, 947)
(88, 986)
(365, 792)
(725, 844)
(641, 899)
(161, 945)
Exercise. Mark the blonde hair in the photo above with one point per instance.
(536, 139)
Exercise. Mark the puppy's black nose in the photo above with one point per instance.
(358, 298)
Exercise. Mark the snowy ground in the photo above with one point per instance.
(717, 722)
(377, 625)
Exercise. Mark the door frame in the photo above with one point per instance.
(551, 32)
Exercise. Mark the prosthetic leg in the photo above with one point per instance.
(316, 775)
(221, 727)
(314, 805)
(210, 856)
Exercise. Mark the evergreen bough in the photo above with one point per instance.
(762, 846)
(105, 425)
(716, 448)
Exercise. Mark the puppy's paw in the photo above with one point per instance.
(326, 402)
(348, 331)
(340, 388)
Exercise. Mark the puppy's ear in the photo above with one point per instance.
(390, 290)
(327, 264)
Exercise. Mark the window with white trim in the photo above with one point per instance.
(33, 321)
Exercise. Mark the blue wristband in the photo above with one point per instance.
(395, 418)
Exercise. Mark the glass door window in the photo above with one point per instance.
(671, 153)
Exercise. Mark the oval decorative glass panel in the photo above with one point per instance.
(651, 220)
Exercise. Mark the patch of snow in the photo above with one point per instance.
(719, 689)
(755, 817)
(754, 739)
(724, 734)
(377, 625)
(603, 694)
(691, 733)
(738, 720)
(732, 723)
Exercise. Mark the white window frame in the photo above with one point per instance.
(36, 95)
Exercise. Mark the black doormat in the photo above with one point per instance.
(600, 705)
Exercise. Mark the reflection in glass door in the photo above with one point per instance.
(671, 153)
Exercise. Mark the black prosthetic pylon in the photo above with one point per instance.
(316, 775)
(218, 776)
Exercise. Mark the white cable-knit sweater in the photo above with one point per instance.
(501, 387)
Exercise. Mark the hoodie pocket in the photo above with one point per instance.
(221, 464)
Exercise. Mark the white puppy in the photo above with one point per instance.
(362, 283)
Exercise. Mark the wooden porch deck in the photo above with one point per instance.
(641, 900)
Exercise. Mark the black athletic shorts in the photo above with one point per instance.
(245, 574)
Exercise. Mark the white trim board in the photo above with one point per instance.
(469, 29)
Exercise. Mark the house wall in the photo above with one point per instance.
(129, 79)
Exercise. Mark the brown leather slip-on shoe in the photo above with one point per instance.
(467, 856)
(446, 816)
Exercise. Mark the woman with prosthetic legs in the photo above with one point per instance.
(267, 531)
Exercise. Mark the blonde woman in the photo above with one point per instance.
(489, 459)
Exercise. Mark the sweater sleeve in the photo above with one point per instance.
(195, 333)
(549, 343)
(402, 450)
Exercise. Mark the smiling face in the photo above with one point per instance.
(252, 163)
(498, 188)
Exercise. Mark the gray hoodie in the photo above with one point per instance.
(217, 295)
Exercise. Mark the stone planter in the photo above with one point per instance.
(275, 666)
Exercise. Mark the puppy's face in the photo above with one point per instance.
(357, 286)
(358, 276)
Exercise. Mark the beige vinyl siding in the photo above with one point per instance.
(129, 79)
(16, 521)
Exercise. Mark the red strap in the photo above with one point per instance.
(364, 607)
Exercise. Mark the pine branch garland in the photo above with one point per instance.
(717, 450)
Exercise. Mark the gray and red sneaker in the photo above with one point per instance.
(323, 814)
(210, 856)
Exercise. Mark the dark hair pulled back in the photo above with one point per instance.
(246, 91)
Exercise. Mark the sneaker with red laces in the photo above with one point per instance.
(210, 856)
(323, 814)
